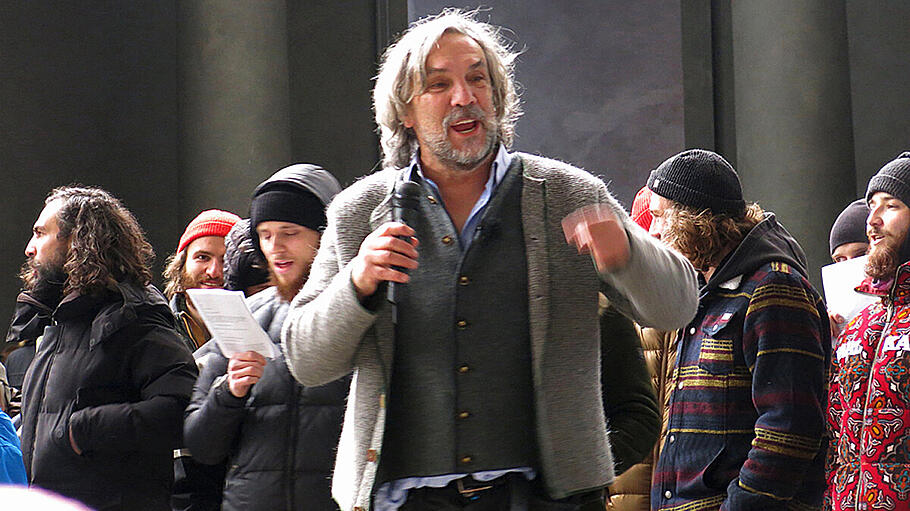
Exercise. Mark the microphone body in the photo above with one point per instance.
(405, 201)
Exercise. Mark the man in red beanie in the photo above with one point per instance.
(198, 263)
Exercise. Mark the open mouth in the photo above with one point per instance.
(283, 266)
(211, 284)
(466, 126)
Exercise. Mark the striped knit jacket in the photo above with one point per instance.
(869, 410)
(746, 418)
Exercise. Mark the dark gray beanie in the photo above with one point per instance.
(893, 179)
(850, 226)
(699, 179)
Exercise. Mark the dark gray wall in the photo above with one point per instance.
(88, 95)
(234, 101)
(879, 45)
(602, 81)
(331, 104)
(794, 142)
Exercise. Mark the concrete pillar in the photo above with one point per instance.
(794, 139)
(234, 101)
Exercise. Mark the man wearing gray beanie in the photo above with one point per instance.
(869, 397)
(848, 234)
(746, 409)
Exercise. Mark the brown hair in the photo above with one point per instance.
(106, 243)
(173, 274)
(704, 237)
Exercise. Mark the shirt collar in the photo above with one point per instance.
(501, 165)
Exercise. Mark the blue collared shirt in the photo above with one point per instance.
(392, 495)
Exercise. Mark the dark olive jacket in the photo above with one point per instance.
(631, 410)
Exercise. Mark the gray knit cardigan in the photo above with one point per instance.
(328, 333)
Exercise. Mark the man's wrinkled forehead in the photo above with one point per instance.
(430, 67)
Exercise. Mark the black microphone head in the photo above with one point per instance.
(405, 200)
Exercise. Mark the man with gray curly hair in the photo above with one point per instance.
(482, 390)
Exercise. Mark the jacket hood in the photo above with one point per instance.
(767, 242)
(29, 319)
(310, 178)
(126, 304)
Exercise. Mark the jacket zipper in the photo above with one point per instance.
(889, 314)
(47, 375)
(293, 428)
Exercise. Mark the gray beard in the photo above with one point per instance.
(438, 144)
(462, 160)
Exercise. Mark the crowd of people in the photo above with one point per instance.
(468, 328)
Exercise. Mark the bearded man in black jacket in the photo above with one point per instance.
(104, 397)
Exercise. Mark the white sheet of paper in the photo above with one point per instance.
(230, 322)
(840, 281)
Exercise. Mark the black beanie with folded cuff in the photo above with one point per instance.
(699, 179)
(850, 226)
(288, 204)
(893, 179)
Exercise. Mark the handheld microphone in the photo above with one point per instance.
(405, 201)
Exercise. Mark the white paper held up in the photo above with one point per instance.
(230, 322)
(840, 280)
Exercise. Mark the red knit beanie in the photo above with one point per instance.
(211, 222)
(641, 208)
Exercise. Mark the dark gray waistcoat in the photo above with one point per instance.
(461, 397)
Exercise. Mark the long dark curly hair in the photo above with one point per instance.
(107, 245)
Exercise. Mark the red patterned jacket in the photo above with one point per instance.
(869, 405)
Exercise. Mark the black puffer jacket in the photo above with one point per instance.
(113, 370)
(279, 440)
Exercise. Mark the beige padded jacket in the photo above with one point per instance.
(631, 490)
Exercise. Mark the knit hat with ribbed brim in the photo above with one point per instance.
(699, 179)
(641, 208)
(211, 222)
(850, 226)
(893, 179)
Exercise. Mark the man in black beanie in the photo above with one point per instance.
(848, 234)
(869, 394)
(746, 410)
(277, 436)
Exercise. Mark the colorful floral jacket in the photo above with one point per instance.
(869, 405)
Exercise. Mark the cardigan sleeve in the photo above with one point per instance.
(326, 320)
(658, 287)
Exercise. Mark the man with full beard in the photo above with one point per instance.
(491, 368)
(197, 263)
(104, 397)
(869, 398)
(277, 436)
